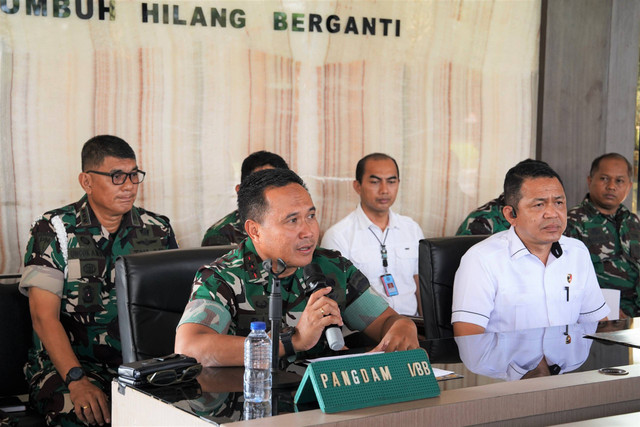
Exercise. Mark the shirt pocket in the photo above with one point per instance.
(366, 258)
(600, 242)
(574, 300)
(407, 258)
(517, 310)
(85, 289)
(85, 295)
(631, 238)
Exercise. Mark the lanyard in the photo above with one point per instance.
(383, 248)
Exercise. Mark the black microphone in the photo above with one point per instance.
(275, 309)
(315, 279)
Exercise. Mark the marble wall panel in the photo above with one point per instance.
(452, 98)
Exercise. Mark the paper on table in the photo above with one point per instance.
(612, 298)
(442, 375)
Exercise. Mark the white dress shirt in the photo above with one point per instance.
(358, 239)
(501, 286)
(510, 355)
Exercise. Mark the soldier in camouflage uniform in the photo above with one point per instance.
(233, 291)
(68, 277)
(610, 230)
(487, 219)
(230, 230)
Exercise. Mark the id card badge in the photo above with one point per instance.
(389, 285)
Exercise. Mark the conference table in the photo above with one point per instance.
(531, 377)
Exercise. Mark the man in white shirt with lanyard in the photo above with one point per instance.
(529, 276)
(379, 242)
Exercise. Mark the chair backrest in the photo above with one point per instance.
(439, 258)
(152, 290)
(16, 336)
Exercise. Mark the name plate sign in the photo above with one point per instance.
(368, 380)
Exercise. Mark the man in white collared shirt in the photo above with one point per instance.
(379, 242)
(529, 276)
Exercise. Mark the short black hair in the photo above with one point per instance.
(373, 156)
(251, 201)
(525, 169)
(261, 158)
(596, 163)
(97, 148)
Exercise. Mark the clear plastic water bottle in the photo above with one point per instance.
(257, 364)
(256, 410)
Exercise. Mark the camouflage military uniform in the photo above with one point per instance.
(233, 292)
(614, 244)
(487, 219)
(227, 231)
(69, 255)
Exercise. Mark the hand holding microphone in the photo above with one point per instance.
(315, 281)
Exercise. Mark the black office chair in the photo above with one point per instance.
(153, 289)
(16, 334)
(439, 258)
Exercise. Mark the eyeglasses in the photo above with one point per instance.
(170, 376)
(119, 178)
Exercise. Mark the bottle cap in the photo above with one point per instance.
(259, 326)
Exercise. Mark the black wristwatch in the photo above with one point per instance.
(74, 374)
(285, 336)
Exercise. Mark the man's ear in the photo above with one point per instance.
(509, 214)
(85, 182)
(253, 230)
(357, 186)
(588, 180)
(237, 188)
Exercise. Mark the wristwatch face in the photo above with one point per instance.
(74, 374)
(287, 332)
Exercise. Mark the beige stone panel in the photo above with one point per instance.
(452, 99)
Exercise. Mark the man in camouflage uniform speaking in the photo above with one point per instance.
(280, 220)
(610, 230)
(230, 230)
(68, 277)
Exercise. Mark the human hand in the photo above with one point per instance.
(320, 312)
(401, 335)
(542, 370)
(91, 404)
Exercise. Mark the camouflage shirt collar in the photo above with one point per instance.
(252, 262)
(253, 265)
(592, 210)
(87, 218)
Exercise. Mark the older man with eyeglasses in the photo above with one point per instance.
(68, 277)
